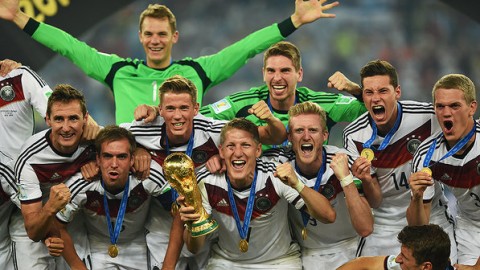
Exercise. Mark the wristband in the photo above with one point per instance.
(299, 186)
(347, 180)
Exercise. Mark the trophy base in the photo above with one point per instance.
(203, 227)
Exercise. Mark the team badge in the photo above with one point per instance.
(134, 201)
(7, 93)
(263, 203)
(412, 145)
(328, 191)
(199, 157)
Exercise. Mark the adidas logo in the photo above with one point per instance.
(445, 177)
(222, 203)
(55, 176)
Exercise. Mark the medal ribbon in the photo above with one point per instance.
(114, 233)
(285, 143)
(242, 230)
(389, 135)
(452, 151)
(188, 153)
(316, 187)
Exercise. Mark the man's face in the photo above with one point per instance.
(157, 40)
(115, 162)
(67, 122)
(380, 98)
(454, 114)
(178, 111)
(281, 78)
(407, 261)
(307, 137)
(240, 151)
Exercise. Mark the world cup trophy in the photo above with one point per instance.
(180, 173)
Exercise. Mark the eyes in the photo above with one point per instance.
(72, 118)
(369, 92)
(232, 147)
(173, 108)
(310, 130)
(454, 106)
(108, 156)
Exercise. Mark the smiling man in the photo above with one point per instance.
(250, 203)
(386, 138)
(46, 161)
(180, 128)
(282, 71)
(451, 156)
(134, 81)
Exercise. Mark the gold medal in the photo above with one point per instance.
(304, 233)
(368, 154)
(113, 251)
(427, 170)
(174, 209)
(243, 245)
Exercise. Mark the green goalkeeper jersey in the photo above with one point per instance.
(134, 83)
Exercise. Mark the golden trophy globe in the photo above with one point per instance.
(179, 171)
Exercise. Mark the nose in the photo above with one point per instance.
(114, 162)
(398, 259)
(277, 76)
(237, 152)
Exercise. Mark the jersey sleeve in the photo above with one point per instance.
(156, 184)
(28, 184)
(36, 90)
(92, 62)
(225, 63)
(346, 109)
(7, 179)
(223, 109)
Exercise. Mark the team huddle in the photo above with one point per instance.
(263, 188)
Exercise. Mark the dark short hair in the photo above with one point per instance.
(66, 93)
(379, 67)
(114, 133)
(241, 124)
(429, 243)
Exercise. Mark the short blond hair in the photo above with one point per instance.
(308, 107)
(456, 81)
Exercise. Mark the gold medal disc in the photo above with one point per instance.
(427, 170)
(304, 233)
(174, 209)
(243, 245)
(368, 154)
(113, 251)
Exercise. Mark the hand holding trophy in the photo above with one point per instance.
(180, 173)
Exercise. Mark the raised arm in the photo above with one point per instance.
(371, 188)
(69, 253)
(318, 205)
(418, 211)
(358, 207)
(274, 132)
(10, 11)
(38, 219)
(310, 11)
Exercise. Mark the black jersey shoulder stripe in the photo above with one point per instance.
(40, 81)
(146, 130)
(359, 124)
(8, 175)
(202, 174)
(22, 159)
(115, 68)
(157, 177)
(79, 187)
(245, 95)
(200, 71)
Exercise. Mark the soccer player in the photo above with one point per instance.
(250, 203)
(385, 138)
(324, 168)
(282, 70)
(115, 208)
(179, 128)
(422, 247)
(135, 82)
(451, 156)
(46, 160)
